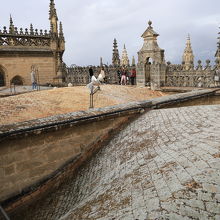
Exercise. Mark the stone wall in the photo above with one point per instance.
(12, 66)
(160, 75)
(177, 75)
(26, 161)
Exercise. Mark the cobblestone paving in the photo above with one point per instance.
(164, 165)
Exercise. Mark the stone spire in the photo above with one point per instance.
(217, 54)
(115, 55)
(188, 57)
(52, 11)
(101, 63)
(53, 17)
(133, 61)
(11, 26)
(61, 36)
(124, 57)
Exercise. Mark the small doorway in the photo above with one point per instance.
(147, 70)
(2, 78)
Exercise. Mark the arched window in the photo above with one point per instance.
(149, 60)
(17, 80)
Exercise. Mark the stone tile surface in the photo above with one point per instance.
(164, 165)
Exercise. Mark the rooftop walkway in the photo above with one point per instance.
(163, 165)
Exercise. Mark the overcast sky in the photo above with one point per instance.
(91, 25)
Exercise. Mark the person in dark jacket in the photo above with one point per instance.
(90, 73)
(119, 76)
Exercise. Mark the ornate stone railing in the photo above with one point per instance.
(199, 76)
(24, 37)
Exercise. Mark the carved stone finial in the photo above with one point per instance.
(31, 29)
(21, 31)
(207, 66)
(16, 30)
(150, 23)
(207, 62)
(199, 67)
(115, 55)
(11, 27)
(5, 30)
(26, 31)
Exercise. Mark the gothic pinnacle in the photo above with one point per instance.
(52, 11)
(61, 31)
(11, 21)
(115, 55)
(11, 26)
(31, 29)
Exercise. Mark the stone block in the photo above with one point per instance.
(27, 165)
(9, 170)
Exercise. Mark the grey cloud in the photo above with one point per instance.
(91, 25)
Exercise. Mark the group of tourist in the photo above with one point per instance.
(101, 76)
(125, 77)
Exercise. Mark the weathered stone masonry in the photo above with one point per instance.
(57, 145)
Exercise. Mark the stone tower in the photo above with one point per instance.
(217, 54)
(115, 55)
(188, 57)
(149, 53)
(124, 57)
(32, 49)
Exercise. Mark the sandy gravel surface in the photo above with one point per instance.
(41, 104)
